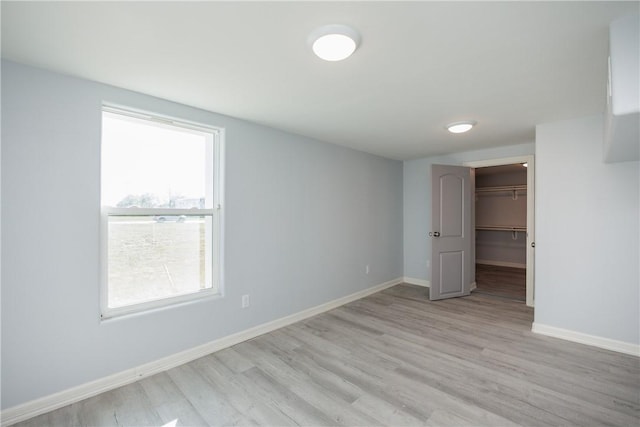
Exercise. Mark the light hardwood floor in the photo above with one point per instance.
(505, 282)
(392, 359)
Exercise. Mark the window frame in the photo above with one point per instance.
(215, 212)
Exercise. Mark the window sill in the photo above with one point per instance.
(149, 307)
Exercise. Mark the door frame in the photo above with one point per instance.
(530, 160)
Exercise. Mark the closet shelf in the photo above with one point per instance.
(513, 189)
(501, 189)
(501, 227)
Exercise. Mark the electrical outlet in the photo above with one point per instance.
(245, 301)
(366, 269)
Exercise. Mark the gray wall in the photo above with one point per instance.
(502, 178)
(417, 202)
(303, 218)
(587, 233)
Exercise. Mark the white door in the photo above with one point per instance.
(451, 262)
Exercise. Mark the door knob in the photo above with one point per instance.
(434, 234)
(533, 244)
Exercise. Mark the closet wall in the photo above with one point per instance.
(501, 216)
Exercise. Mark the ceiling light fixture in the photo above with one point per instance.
(461, 127)
(334, 42)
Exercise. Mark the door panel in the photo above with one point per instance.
(451, 212)
(451, 273)
(451, 232)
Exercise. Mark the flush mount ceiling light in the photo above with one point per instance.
(461, 127)
(334, 42)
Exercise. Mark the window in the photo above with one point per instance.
(161, 211)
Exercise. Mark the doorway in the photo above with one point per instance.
(504, 227)
(500, 230)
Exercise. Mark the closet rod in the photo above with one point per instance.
(502, 188)
(501, 227)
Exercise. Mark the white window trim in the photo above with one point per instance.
(216, 213)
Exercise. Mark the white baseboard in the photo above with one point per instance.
(418, 282)
(593, 340)
(66, 397)
(501, 263)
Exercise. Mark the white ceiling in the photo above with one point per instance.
(421, 65)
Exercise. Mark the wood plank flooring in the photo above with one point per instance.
(391, 359)
(505, 282)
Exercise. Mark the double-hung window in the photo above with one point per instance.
(161, 207)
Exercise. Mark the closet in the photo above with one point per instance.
(501, 230)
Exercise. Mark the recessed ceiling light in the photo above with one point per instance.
(461, 127)
(334, 42)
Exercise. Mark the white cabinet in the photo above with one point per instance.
(622, 124)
